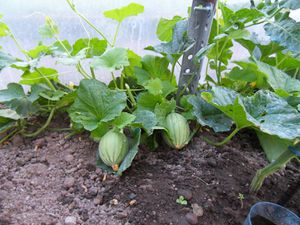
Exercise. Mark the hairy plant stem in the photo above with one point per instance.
(34, 134)
(225, 141)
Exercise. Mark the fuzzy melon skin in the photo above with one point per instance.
(113, 148)
(178, 131)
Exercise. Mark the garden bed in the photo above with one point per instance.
(52, 180)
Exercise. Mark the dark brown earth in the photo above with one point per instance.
(53, 180)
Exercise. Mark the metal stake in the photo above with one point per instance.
(199, 26)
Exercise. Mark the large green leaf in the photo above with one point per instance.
(162, 110)
(278, 79)
(221, 50)
(133, 150)
(134, 61)
(9, 114)
(208, 115)
(145, 100)
(6, 60)
(285, 31)
(264, 111)
(113, 59)
(95, 103)
(38, 76)
(165, 28)
(145, 119)
(246, 15)
(38, 51)
(60, 48)
(94, 46)
(229, 102)
(15, 99)
(13, 91)
(123, 120)
(120, 14)
(154, 86)
(23, 107)
(156, 67)
(178, 45)
(272, 145)
(291, 4)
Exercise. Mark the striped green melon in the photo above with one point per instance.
(113, 148)
(178, 131)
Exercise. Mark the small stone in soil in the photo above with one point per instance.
(211, 162)
(69, 158)
(98, 200)
(131, 196)
(197, 210)
(114, 202)
(191, 218)
(122, 215)
(69, 182)
(70, 220)
(187, 194)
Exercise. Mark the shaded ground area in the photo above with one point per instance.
(51, 180)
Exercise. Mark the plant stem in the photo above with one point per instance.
(78, 66)
(218, 32)
(60, 129)
(282, 60)
(93, 72)
(296, 73)
(122, 81)
(19, 45)
(43, 127)
(114, 80)
(71, 134)
(130, 95)
(7, 137)
(116, 34)
(225, 141)
(261, 174)
(89, 23)
(46, 79)
(173, 70)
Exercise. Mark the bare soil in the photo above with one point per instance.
(52, 180)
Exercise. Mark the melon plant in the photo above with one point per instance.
(177, 133)
(113, 148)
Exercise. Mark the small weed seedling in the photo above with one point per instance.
(181, 200)
(241, 198)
